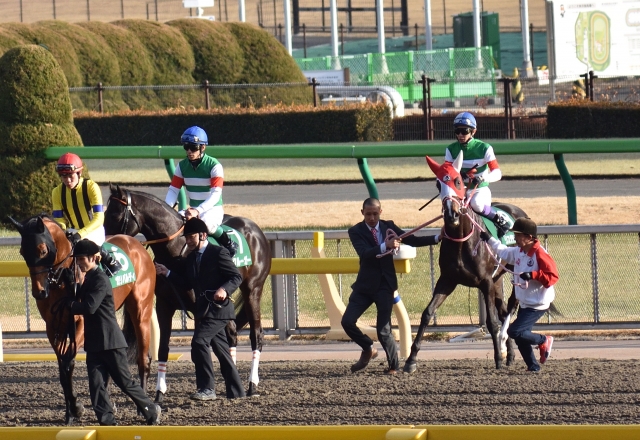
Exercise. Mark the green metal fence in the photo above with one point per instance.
(460, 72)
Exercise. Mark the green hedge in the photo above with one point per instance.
(351, 124)
(35, 113)
(585, 119)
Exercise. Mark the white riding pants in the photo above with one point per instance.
(480, 199)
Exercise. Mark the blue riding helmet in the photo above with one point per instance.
(466, 119)
(194, 135)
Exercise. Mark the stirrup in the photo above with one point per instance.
(232, 247)
(112, 269)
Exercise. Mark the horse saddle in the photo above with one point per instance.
(125, 275)
(507, 239)
(243, 254)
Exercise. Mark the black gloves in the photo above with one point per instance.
(477, 180)
(484, 236)
(73, 236)
(68, 301)
(526, 276)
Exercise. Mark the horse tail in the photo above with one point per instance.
(130, 337)
(554, 311)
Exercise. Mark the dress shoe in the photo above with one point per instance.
(365, 357)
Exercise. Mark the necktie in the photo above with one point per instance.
(198, 258)
(374, 232)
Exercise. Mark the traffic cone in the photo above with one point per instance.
(578, 90)
(517, 95)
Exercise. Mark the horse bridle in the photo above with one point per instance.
(464, 207)
(129, 212)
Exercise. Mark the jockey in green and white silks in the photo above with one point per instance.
(203, 178)
(479, 168)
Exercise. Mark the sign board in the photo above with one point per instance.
(603, 36)
(197, 3)
(325, 77)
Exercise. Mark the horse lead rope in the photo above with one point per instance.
(391, 233)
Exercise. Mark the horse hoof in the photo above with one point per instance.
(159, 397)
(498, 365)
(253, 390)
(410, 367)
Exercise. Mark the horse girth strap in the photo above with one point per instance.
(162, 240)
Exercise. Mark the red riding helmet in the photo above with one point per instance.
(69, 163)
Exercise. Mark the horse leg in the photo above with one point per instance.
(73, 408)
(493, 322)
(256, 335)
(165, 314)
(441, 292)
(512, 305)
(232, 339)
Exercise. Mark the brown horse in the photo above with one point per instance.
(466, 260)
(132, 212)
(47, 253)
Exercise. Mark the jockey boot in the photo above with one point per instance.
(227, 243)
(109, 263)
(502, 224)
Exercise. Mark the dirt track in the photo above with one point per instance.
(584, 391)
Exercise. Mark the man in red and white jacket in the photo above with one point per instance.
(535, 274)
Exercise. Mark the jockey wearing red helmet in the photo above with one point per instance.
(77, 206)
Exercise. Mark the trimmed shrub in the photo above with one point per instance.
(9, 39)
(575, 119)
(35, 113)
(135, 64)
(98, 63)
(31, 98)
(265, 59)
(218, 56)
(274, 125)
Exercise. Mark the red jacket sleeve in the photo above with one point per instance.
(547, 273)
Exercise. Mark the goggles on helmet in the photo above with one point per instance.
(67, 168)
(190, 146)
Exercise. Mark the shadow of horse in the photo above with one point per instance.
(466, 260)
(132, 212)
(47, 253)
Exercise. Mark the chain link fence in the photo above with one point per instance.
(599, 281)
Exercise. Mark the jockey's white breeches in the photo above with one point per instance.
(213, 218)
(480, 199)
(96, 236)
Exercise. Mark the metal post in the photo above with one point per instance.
(444, 16)
(531, 45)
(275, 16)
(341, 39)
(54, 9)
(594, 279)
(156, 1)
(368, 178)
(416, 33)
(20, 11)
(569, 188)
(591, 78)
(88, 11)
(424, 82)
(428, 29)
(278, 292)
(280, 33)
(314, 84)
(147, 11)
(505, 82)
(100, 101)
(393, 19)
(288, 38)
(122, 9)
(304, 38)
(430, 123)
(586, 83)
(207, 103)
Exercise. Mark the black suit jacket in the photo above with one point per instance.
(101, 330)
(373, 270)
(216, 270)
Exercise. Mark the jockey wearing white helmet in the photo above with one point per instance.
(479, 168)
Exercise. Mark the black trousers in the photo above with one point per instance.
(359, 302)
(113, 363)
(210, 334)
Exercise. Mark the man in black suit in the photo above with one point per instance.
(210, 272)
(103, 340)
(376, 282)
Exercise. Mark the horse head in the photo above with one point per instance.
(451, 186)
(41, 240)
(120, 218)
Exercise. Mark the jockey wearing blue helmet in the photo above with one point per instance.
(203, 178)
(479, 168)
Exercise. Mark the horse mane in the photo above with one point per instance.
(158, 201)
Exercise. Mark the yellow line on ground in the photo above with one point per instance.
(43, 357)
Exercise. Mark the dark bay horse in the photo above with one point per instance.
(132, 212)
(47, 252)
(466, 260)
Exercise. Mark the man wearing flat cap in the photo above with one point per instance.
(535, 274)
(104, 342)
(210, 272)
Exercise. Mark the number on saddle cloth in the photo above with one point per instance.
(243, 254)
(125, 275)
(508, 239)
